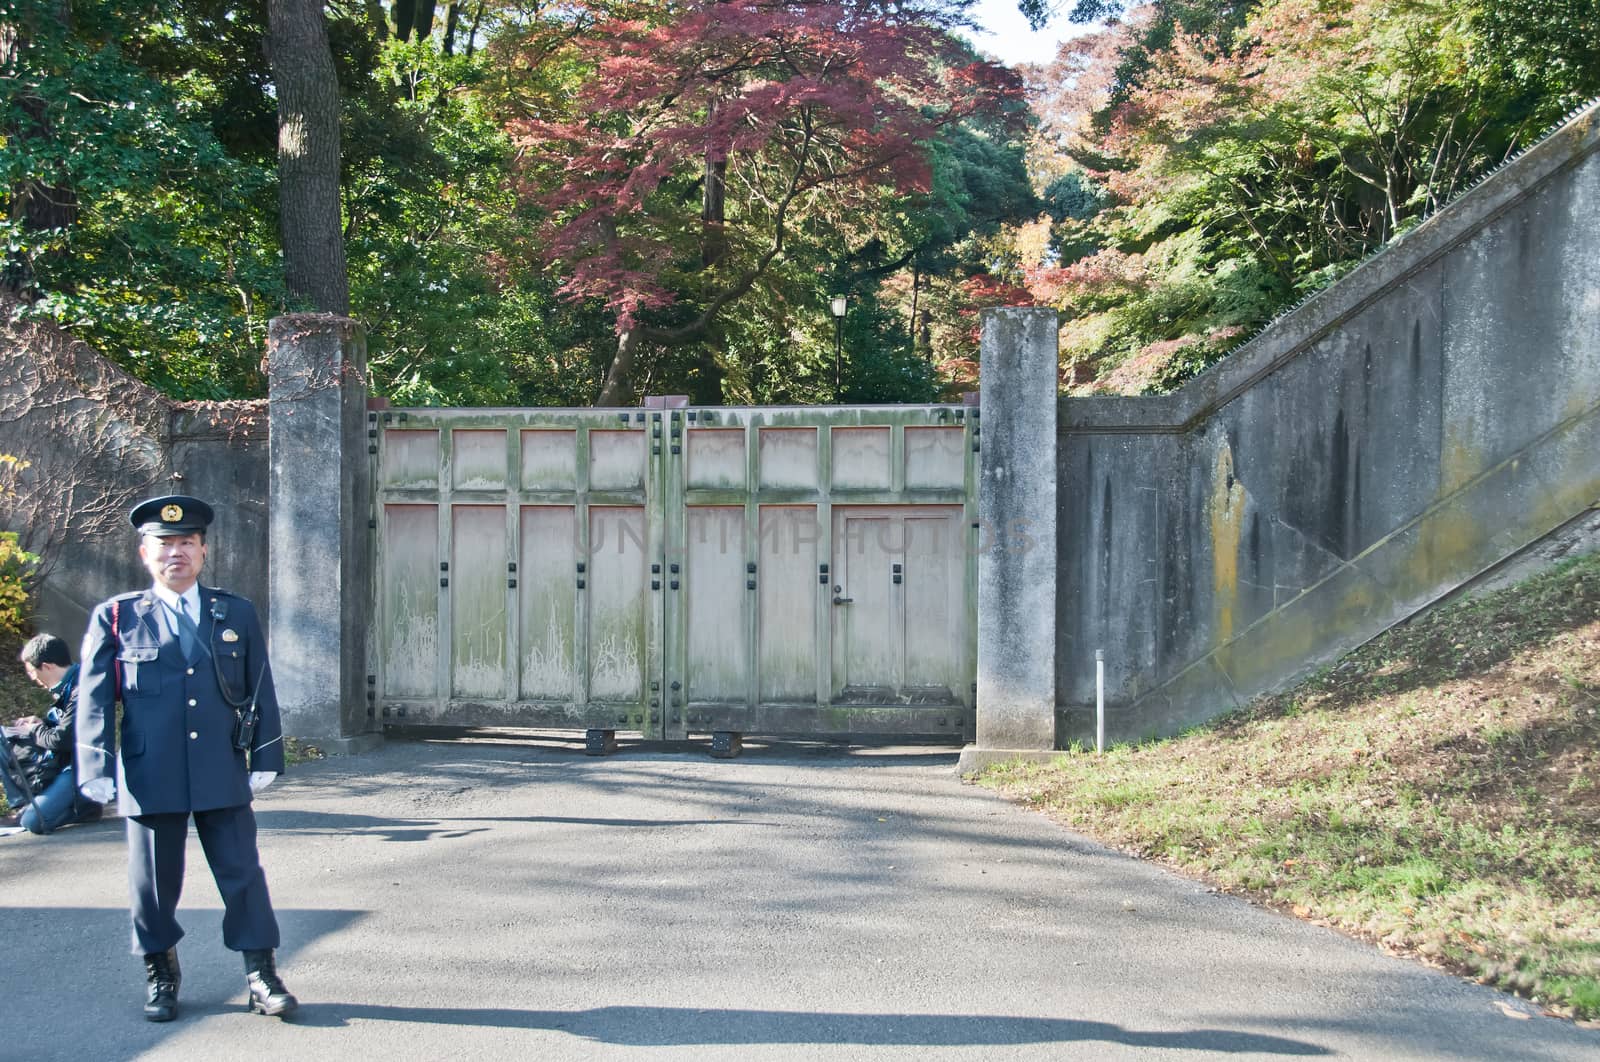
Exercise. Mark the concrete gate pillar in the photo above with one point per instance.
(319, 545)
(1016, 705)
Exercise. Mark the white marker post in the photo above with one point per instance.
(1099, 700)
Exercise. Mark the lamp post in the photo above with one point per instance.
(837, 305)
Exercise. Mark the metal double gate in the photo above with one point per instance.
(678, 571)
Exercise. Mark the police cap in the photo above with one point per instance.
(172, 514)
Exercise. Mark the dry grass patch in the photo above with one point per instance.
(1437, 791)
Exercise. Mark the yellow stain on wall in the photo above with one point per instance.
(1450, 541)
(1227, 527)
(1581, 403)
(1459, 461)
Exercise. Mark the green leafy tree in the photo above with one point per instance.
(166, 262)
(1259, 158)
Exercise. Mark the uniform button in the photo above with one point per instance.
(191, 671)
(192, 702)
(193, 734)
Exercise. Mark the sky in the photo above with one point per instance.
(1011, 41)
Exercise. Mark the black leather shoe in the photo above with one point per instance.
(164, 977)
(267, 992)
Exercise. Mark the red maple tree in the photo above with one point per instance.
(709, 141)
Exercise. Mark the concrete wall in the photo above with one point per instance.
(96, 441)
(1017, 488)
(320, 491)
(1406, 430)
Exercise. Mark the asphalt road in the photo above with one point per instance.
(498, 899)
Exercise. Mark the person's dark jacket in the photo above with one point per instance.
(51, 741)
(175, 739)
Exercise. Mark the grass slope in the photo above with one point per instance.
(1436, 792)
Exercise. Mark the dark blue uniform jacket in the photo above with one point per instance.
(177, 729)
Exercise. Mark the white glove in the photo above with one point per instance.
(259, 780)
(99, 790)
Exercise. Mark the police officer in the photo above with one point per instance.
(188, 663)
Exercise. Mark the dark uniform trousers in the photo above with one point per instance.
(155, 877)
(177, 759)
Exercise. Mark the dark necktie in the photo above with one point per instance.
(188, 633)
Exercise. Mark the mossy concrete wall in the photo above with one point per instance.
(94, 441)
(1408, 429)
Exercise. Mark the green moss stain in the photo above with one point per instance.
(1227, 511)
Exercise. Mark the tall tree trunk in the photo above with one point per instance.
(714, 213)
(38, 205)
(472, 34)
(452, 19)
(618, 388)
(713, 249)
(916, 279)
(308, 155)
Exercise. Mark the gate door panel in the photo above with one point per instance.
(409, 600)
(548, 597)
(870, 623)
(769, 512)
(715, 606)
(478, 602)
(935, 608)
(514, 554)
(618, 618)
(790, 593)
(677, 571)
(901, 627)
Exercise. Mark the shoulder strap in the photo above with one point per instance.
(116, 651)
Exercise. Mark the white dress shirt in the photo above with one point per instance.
(190, 599)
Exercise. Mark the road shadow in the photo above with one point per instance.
(74, 963)
(879, 750)
(641, 1026)
(431, 827)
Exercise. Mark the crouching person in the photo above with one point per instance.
(189, 664)
(39, 779)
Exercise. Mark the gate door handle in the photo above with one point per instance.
(837, 600)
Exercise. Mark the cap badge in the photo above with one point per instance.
(228, 635)
(171, 513)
